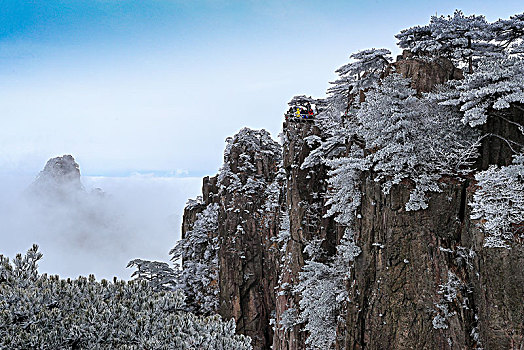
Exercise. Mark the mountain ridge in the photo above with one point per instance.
(418, 278)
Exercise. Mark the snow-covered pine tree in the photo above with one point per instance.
(344, 180)
(322, 288)
(196, 265)
(510, 33)
(46, 312)
(497, 83)
(302, 100)
(462, 39)
(323, 281)
(366, 68)
(411, 138)
(198, 254)
(158, 274)
(498, 204)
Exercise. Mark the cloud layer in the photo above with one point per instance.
(137, 217)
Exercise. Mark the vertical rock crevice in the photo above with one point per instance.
(304, 200)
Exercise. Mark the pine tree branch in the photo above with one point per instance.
(508, 142)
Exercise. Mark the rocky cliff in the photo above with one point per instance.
(420, 279)
(247, 191)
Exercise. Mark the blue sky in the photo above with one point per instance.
(157, 85)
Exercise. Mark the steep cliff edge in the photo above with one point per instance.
(416, 278)
(303, 225)
(246, 190)
(405, 257)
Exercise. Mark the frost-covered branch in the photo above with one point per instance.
(411, 138)
(46, 312)
(496, 84)
(322, 288)
(498, 203)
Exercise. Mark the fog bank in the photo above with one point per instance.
(135, 217)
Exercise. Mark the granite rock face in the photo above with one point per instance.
(304, 211)
(423, 279)
(425, 74)
(248, 219)
(247, 190)
(405, 257)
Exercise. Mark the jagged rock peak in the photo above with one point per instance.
(253, 141)
(250, 153)
(59, 172)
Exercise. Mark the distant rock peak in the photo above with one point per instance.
(61, 175)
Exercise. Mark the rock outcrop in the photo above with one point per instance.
(60, 177)
(247, 190)
(425, 73)
(423, 279)
(303, 202)
(248, 219)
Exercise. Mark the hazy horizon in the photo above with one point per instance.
(139, 217)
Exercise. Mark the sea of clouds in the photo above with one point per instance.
(96, 233)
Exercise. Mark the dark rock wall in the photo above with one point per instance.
(209, 195)
(497, 282)
(398, 273)
(304, 203)
(247, 221)
(247, 266)
(502, 136)
(423, 279)
(407, 256)
(247, 191)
